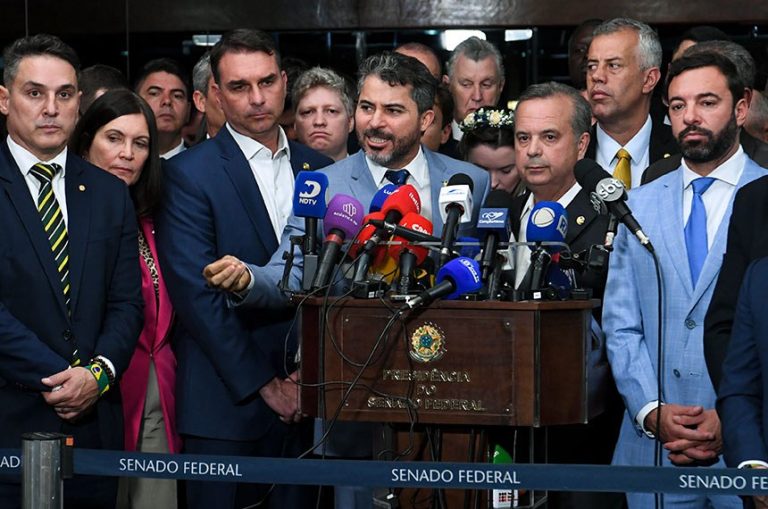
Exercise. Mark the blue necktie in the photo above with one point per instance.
(696, 229)
(397, 177)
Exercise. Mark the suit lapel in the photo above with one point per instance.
(361, 183)
(17, 191)
(239, 172)
(662, 143)
(670, 218)
(580, 216)
(438, 174)
(79, 212)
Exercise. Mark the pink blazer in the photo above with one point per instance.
(154, 343)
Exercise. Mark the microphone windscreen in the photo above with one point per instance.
(309, 194)
(472, 247)
(404, 199)
(548, 222)
(461, 179)
(465, 274)
(365, 234)
(588, 173)
(415, 222)
(381, 195)
(345, 213)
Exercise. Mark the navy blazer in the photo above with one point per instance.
(37, 335)
(213, 208)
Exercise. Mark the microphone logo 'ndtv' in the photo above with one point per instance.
(310, 193)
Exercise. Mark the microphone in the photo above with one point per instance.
(409, 256)
(366, 259)
(458, 276)
(309, 203)
(494, 220)
(455, 206)
(342, 220)
(548, 222)
(403, 200)
(609, 191)
(380, 197)
(407, 233)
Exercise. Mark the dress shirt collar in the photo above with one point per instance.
(178, 149)
(417, 168)
(637, 146)
(25, 159)
(251, 148)
(456, 131)
(729, 172)
(564, 200)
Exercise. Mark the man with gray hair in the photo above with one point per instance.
(552, 123)
(205, 101)
(475, 78)
(622, 70)
(323, 107)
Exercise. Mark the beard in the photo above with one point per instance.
(714, 147)
(402, 146)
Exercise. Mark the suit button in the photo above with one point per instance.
(690, 323)
(67, 335)
(676, 372)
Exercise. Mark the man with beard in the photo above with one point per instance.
(685, 214)
(396, 94)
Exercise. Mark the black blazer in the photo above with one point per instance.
(662, 146)
(754, 148)
(747, 241)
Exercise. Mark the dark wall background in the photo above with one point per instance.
(339, 33)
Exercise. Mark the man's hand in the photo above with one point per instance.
(282, 396)
(74, 391)
(228, 274)
(685, 451)
(672, 431)
(761, 502)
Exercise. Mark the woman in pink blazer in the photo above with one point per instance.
(118, 134)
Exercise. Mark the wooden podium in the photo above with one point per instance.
(530, 363)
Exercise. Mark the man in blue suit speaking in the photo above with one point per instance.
(685, 214)
(70, 301)
(232, 195)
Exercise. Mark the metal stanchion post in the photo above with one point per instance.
(42, 475)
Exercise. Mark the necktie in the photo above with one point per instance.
(623, 170)
(53, 222)
(397, 177)
(696, 229)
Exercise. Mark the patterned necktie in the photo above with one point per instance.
(53, 222)
(397, 177)
(696, 229)
(623, 170)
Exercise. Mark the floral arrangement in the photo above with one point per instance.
(488, 118)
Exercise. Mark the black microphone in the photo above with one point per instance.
(407, 233)
(609, 191)
(455, 205)
(494, 219)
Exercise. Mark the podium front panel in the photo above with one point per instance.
(468, 363)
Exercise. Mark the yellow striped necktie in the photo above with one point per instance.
(53, 222)
(623, 170)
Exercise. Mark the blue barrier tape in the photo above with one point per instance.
(409, 474)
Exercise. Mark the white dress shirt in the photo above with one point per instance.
(273, 175)
(25, 160)
(178, 149)
(456, 131)
(638, 148)
(419, 179)
(523, 253)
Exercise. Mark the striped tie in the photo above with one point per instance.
(53, 222)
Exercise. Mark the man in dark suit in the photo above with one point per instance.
(741, 401)
(67, 328)
(232, 195)
(622, 71)
(551, 133)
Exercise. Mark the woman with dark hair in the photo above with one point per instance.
(489, 142)
(119, 135)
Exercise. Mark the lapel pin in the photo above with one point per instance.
(305, 166)
(580, 220)
(81, 187)
(666, 155)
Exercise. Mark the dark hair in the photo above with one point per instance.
(242, 40)
(444, 101)
(581, 119)
(36, 45)
(591, 24)
(494, 137)
(294, 68)
(95, 78)
(737, 54)
(397, 69)
(147, 190)
(164, 65)
(735, 81)
(703, 33)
